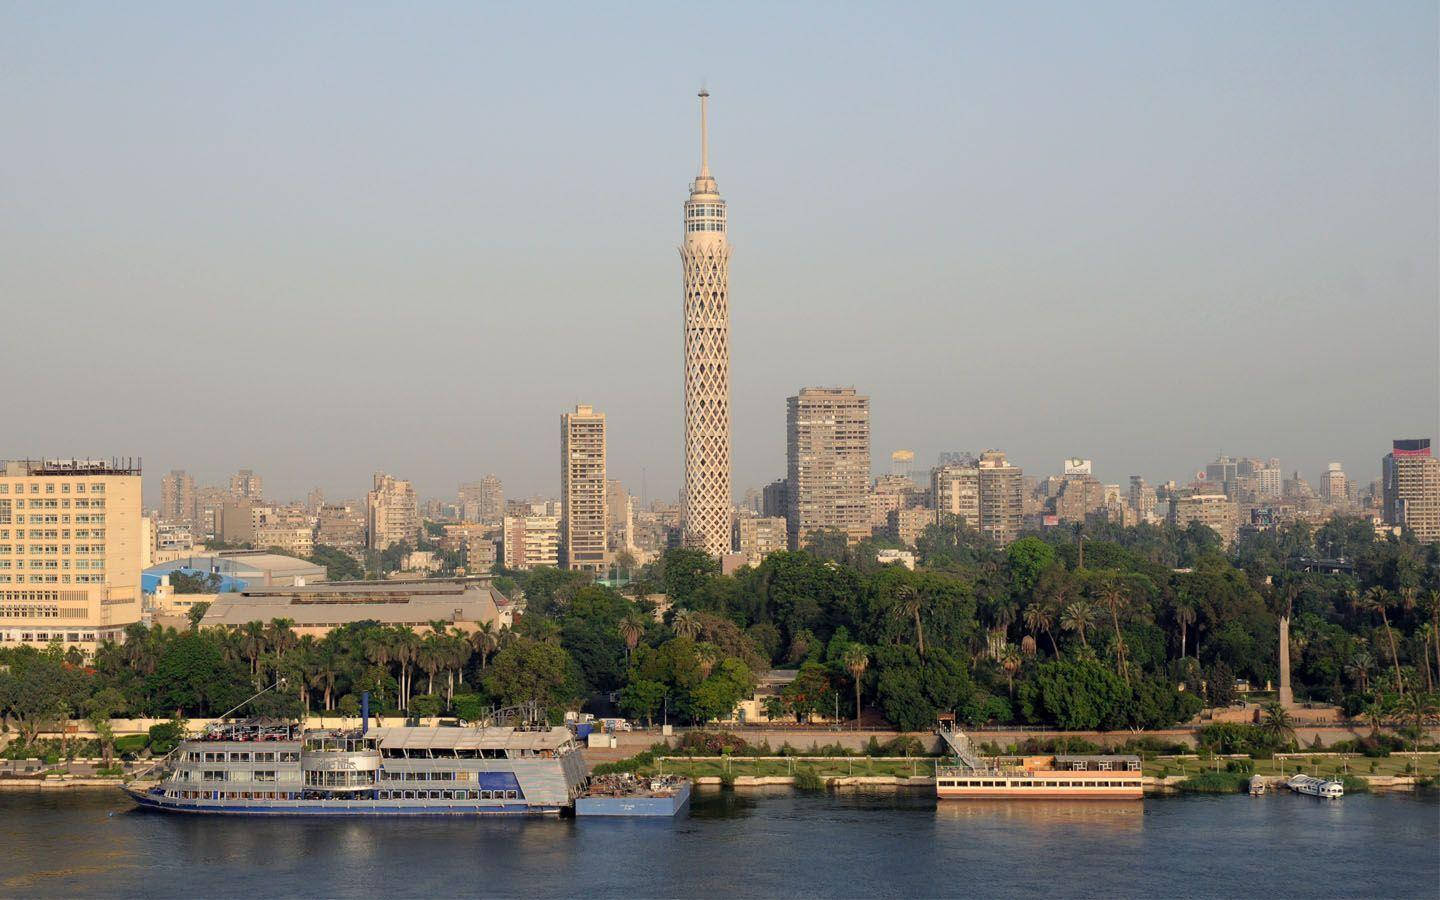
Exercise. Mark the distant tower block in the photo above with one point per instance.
(901, 462)
(705, 503)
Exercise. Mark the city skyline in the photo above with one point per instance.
(1222, 258)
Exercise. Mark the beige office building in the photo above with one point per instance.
(293, 540)
(828, 461)
(1217, 511)
(582, 490)
(391, 514)
(1002, 502)
(955, 488)
(340, 526)
(70, 551)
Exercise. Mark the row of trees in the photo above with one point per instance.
(1103, 628)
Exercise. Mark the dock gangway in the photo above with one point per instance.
(960, 746)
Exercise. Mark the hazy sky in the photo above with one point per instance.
(320, 242)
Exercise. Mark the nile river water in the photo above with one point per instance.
(747, 844)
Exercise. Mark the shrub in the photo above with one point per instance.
(1354, 785)
(807, 780)
(1215, 783)
(902, 745)
(712, 743)
(1240, 766)
(165, 736)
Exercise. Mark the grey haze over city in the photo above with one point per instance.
(324, 241)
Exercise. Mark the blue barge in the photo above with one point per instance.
(663, 797)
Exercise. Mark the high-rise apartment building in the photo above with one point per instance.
(828, 459)
(209, 501)
(391, 513)
(71, 546)
(1410, 479)
(530, 541)
(775, 499)
(1270, 480)
(483, 500)
(619, 518)
(1337, 486)
(1142, 499)
(246, 485)
(955, 488)
(582, 489)
(1002, 501)
(706, 501)
(177, 497)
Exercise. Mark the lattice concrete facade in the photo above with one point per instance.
(706, 503)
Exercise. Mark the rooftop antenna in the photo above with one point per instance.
(704, 96)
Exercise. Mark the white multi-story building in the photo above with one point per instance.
(530, 541)
(391, 514)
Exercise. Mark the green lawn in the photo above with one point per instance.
(1353, 764)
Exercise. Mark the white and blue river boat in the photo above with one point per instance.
(268, 767)
(1317, 787)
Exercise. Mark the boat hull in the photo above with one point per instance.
(148, 801)
(638, 807)
(1037, 788)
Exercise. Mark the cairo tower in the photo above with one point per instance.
(705, 506)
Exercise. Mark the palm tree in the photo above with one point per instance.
(1431, 606)
(1184, 617)
(1419, 707)
(457, 654)
(1027, 645)
(1114, 597)
(856, 660)
(909, 604)
(685, 623)
(430, 656)
(1003, 613)
(280, 635)
(708, 656)
(252, 640)
(1359, 666)
(1040, 616)
(1079, 617)
(404, 647)
(1377, 599)
(485, 639)
(1278, 723)
(1010, 661)
(631, 629)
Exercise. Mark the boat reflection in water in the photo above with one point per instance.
(1125, 818)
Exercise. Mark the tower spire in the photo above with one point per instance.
(704, 135)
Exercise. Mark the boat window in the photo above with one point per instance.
(511, 795)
